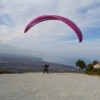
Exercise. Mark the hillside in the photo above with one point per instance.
(22, 64)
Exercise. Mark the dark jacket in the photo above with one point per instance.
(46, 66)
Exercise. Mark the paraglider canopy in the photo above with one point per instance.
(55, 17)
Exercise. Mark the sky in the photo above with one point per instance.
(51, 40)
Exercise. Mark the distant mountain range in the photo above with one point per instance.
(23, 64)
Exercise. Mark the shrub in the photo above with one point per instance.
(4, 71)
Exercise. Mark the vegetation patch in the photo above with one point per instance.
(89, 69)
(4, 72)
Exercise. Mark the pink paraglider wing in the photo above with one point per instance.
(55, 17)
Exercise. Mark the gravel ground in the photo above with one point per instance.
(53, 86)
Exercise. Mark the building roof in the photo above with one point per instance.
(99, 63)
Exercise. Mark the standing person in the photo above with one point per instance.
(46, 68)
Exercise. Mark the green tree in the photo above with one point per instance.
(94, 62)
(89, 69)
(81, 64)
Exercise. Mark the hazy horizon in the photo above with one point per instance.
(56, 59)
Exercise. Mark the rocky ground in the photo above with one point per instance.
(53, 86)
